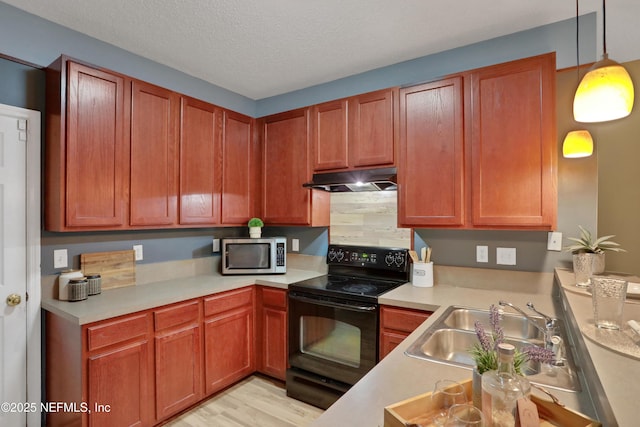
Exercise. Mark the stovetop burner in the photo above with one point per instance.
(357, 272)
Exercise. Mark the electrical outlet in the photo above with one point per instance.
(554, 242)
(60, 258)
(216, 245)
(295, 245)
(138, 249)
(482, 253)
(506, 256)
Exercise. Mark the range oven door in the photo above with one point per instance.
(331, 337)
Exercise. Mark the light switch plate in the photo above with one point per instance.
(554, 242)
(295, 245)
(216, 245)
(138, 250)
(506, 256)
(482, 253)
(60, 258)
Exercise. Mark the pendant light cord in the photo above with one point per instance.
(604, 28)
(577, 42)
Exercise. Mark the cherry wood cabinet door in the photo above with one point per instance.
(272, 347)
(431, 163)
(513, 140)
(396, 324)
(87, 167)
(371, 128)
(121, 379)
(200, 162)
(286, 168)
(330, 135)
(154, 143)
(241, 169)
(178, 356)
(228, 339)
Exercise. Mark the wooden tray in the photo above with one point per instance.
(419, 410)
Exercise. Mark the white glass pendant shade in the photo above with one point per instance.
(577, 143)
(605, 93)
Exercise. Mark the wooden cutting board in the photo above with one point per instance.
(117, 268)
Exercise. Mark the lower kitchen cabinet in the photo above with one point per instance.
(142, 368)
(228, 338)
(396, 324)
(272, 342)
(178, 357)
(106, 365)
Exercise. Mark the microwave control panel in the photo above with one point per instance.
(280, 254)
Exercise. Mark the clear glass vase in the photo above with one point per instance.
(586, 265)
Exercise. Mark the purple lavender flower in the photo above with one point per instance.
(494, 317)
(485, 342)
(538, 354)
(498, 336)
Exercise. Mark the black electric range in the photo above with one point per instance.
(360, 273)
(334, 321)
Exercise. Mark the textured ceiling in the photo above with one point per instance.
(262, 48)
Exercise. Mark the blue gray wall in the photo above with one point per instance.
(40, 42)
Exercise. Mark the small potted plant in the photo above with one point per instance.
(588, 255)
(255, 228)
(485, 352)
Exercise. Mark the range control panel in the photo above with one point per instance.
(368, 256)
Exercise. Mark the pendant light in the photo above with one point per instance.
(577, 143)
(606, 91)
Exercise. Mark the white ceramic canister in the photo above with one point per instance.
(63, 282)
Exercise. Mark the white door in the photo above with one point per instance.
(19, 267)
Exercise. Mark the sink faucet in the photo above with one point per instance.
(550, 331)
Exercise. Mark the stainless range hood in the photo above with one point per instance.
(383, 179)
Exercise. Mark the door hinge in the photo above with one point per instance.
(22, 130)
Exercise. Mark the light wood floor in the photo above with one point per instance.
(256, 401)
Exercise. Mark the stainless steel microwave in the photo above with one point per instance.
(254, 256)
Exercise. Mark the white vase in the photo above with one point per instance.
(255, 232)
(585, 265)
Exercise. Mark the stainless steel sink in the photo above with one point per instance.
(450, 339)
(515, 326)
(452, 345)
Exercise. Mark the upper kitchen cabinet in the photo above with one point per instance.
(330, 135)
(356, 132)
(155, 123)
(371, 128)
(87, 148)
(241, 169)
(286, 166)
(478, 149)
(431, 163)
(513, 144)
(200, 162)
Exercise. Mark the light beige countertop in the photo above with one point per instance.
(398, 376)
(120, 301)
(619, 374)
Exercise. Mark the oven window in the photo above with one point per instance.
(330, 339)
(248, 255)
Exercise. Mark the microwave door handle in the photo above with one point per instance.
(334, 304)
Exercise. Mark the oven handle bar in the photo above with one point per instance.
(334, 304)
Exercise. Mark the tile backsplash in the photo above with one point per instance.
(367, 218)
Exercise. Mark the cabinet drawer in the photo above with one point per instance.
(116, 331)
(274, 298)
(399, 319)
(176, 315)
(227, 301)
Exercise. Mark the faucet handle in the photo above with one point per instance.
(549, 321)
